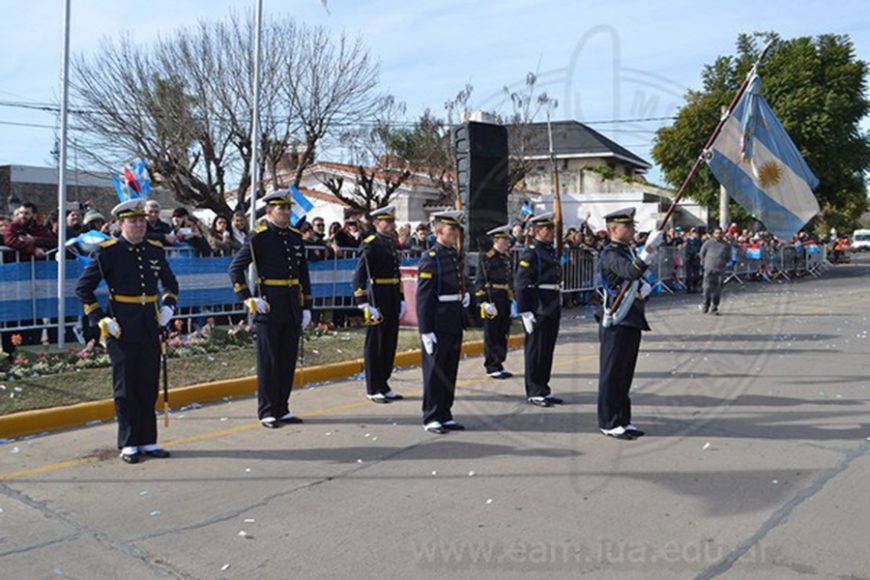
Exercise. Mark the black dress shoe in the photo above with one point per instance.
(454, 426)
(554, 400)
(500, 375)
(130, 457)
(270, 424)
(391, 395)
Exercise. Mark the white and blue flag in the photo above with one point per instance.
(761, 168)
(301, 206)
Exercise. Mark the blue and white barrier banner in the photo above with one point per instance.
(29, 289)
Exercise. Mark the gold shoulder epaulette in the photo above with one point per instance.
(261, 229)
(155, 243)
(108, 243)
(370, 239)
(432, 253)
(490, 254)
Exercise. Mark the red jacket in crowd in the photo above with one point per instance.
(26, 238)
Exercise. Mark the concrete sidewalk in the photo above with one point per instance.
(755, 466)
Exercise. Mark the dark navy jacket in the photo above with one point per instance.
(132, 272)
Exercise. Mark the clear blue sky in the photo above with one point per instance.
(602, 60)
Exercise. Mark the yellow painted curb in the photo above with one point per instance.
(55, 418)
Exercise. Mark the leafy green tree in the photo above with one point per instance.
(817, 88)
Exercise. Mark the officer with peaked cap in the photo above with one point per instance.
(133, 268)
(494, 292)
(539, 301)
(377, 284)
(621, 321)
(281, 305)
(441, 300)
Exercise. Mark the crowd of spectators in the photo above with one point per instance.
(26, 234)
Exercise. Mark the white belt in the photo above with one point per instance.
(549, 287)
(449, 298)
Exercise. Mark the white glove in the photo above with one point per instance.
(109, 327)
(306, 318)
(257, 306)
(372, 314)
(429, 342)
(645, 290)
(655, 240)
(402, 308)
(466, 300)
(166, 313)
(528, 321)
(489, 309)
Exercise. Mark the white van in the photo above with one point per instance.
(860, 240)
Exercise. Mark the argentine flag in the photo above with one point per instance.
(301, 206)
(757, 162)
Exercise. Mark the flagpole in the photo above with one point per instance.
(255, 118)
(700, 159)
(722, 120)
(61, 184)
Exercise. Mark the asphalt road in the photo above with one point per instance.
(755, 465)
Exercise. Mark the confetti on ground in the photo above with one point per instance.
(155, 513)
(471, 474)
(489, 501)
(247, 470)
(225, 567)
(775, 482)
(15, 450)
(249, 520)
(706, 445)
(436, 473)
(143, 492)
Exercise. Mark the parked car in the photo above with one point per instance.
(860, 240)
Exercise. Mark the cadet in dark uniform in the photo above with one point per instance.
(494, 292)
(539, 299)
(133, 268)
(619, 331)
(441, 300)
(377, 284)
(281, 307)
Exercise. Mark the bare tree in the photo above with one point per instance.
(329, 83)
(379, 170)
(526, 104)
(184, 104)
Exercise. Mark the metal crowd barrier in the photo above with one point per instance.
(334, 289)
(669, 270)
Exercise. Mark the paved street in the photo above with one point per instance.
(755, 465)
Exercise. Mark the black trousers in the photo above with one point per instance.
(495, 335)
(618, 357)
(277, 348)
(712, 287)
(439, 377)
(380, 352)
(539, 349)
(135, 381)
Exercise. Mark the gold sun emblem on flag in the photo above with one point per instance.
(769, 174)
